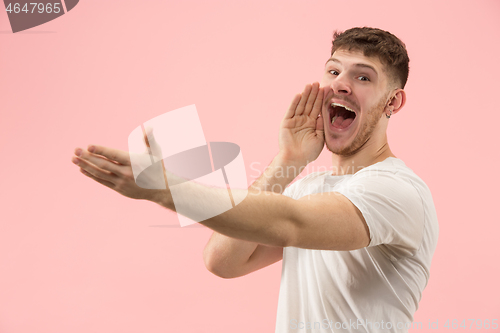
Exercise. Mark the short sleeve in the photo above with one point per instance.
(392, 209)
(289, 190)
(311, 183)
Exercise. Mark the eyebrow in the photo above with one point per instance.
(362, 65)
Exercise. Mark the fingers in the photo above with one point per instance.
(153, 148)
(318, 104)
(303, 100)
(320, 125)
(96, 165)
(147, 132)
(291, 110)
(309, 103)
(119, 156)
(311, 100)
(103, 182)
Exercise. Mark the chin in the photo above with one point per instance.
(342, 146)
(342, 150)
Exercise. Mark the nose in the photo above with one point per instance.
(340, 85)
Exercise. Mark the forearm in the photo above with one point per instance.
(262, 217)
(224, 255)
(259, 218)
(277, 176)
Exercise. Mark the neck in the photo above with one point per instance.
(373, 151)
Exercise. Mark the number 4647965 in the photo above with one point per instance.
(472, 323)
(40, 8)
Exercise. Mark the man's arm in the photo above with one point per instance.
(263, 217)
(300, 143)
(323, 221)
(229, 257)
(326, 221)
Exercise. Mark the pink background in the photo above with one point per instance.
(77, 257)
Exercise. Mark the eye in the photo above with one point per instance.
(363, 78)
(333, 72)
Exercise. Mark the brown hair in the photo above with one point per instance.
(376, 42)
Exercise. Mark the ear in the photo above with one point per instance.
(397, 101)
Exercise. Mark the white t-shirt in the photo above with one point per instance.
(373, 289)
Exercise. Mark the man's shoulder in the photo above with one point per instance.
(392, 170)
(394, 179)
(390, 167)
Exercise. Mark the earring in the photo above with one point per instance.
(388, 115)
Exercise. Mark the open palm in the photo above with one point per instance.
(301, 137)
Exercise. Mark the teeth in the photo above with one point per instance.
(338, 104)
(333, 119)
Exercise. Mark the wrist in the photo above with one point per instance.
(162, 198)
(278, 175)
(284, 171)
(294, 166)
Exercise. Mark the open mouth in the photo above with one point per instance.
(341, 116)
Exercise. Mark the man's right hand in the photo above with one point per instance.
(301, 137)
(301, 142)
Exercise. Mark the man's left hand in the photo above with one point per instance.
(112, 168)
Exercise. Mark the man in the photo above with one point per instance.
(357, 241)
